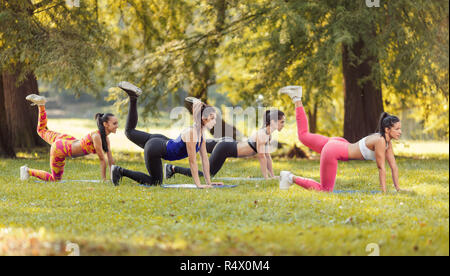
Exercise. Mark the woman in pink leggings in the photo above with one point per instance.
(376, 147)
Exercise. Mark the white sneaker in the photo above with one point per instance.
(24, 175)
(285, 180)
(36, 99)
(192, 100)
(295, 92)
(130, 88)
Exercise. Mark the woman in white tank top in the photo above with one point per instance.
(375, 147)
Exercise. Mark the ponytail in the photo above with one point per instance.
(272, 115)
(201, 111)
(386, 121)
(103, 118)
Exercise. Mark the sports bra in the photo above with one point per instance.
(177, 150)
(253, 144)
(367, 153)
(87, 143)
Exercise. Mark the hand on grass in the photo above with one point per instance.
(204, 186)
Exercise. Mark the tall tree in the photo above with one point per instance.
(21, 118)
(400, 46)
(46, 40)
(179, 43)
(6, 145)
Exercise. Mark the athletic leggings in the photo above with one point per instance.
(154, 146)
(331, 150)
(61, 148)
(221, 150)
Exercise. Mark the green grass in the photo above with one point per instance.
(253, 219)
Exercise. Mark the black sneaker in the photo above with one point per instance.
(116, 174)
(168, 171)
(131, 89)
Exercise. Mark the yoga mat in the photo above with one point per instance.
(65, 181)
(355, 191)
(240, 179)
(193, 186)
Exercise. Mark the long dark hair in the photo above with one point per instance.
(386, 121)
(201, 111)
(273, 115)
(103, 118)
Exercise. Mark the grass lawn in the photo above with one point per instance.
(256, 218)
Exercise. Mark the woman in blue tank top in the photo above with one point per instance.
(157, 147)
(224, 148)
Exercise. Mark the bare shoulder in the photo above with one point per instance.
(379, 141)
(262, 135)
(189, 134)
(96, 136)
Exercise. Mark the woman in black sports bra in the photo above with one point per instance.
(226, 147)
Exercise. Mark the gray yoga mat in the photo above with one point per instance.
(66, 181)
(193, 186)
(240, 179)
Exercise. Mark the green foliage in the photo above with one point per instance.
(58, 44)
(245, 50)
(249, 49)
(300, 42)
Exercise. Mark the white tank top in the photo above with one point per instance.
(367, 153)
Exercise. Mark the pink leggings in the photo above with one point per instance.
(331, 150)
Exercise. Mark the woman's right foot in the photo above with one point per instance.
(36, 99)
(285, 180)
(116, 174)
(168, 171)
(295, 92)
(131, 89)
(24, 174)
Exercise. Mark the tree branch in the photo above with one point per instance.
(49, 8)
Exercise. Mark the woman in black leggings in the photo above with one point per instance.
(157, 146)
(226, 147)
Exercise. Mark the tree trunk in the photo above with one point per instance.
(312, 118)
(222, 128)
(6, 145)
(21, 118)
(199, 88)
(363, 98)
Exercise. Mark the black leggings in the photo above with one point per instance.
(221, 150)
(154, 145)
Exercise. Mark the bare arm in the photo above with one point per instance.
(111, 160)
(261, 147)
(380, 155)
(270, 165)
(205, 163)
(394, 169)
(192, 153)
(99, 149)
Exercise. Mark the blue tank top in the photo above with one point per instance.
(177, 150)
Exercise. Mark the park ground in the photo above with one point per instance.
(256, 218)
